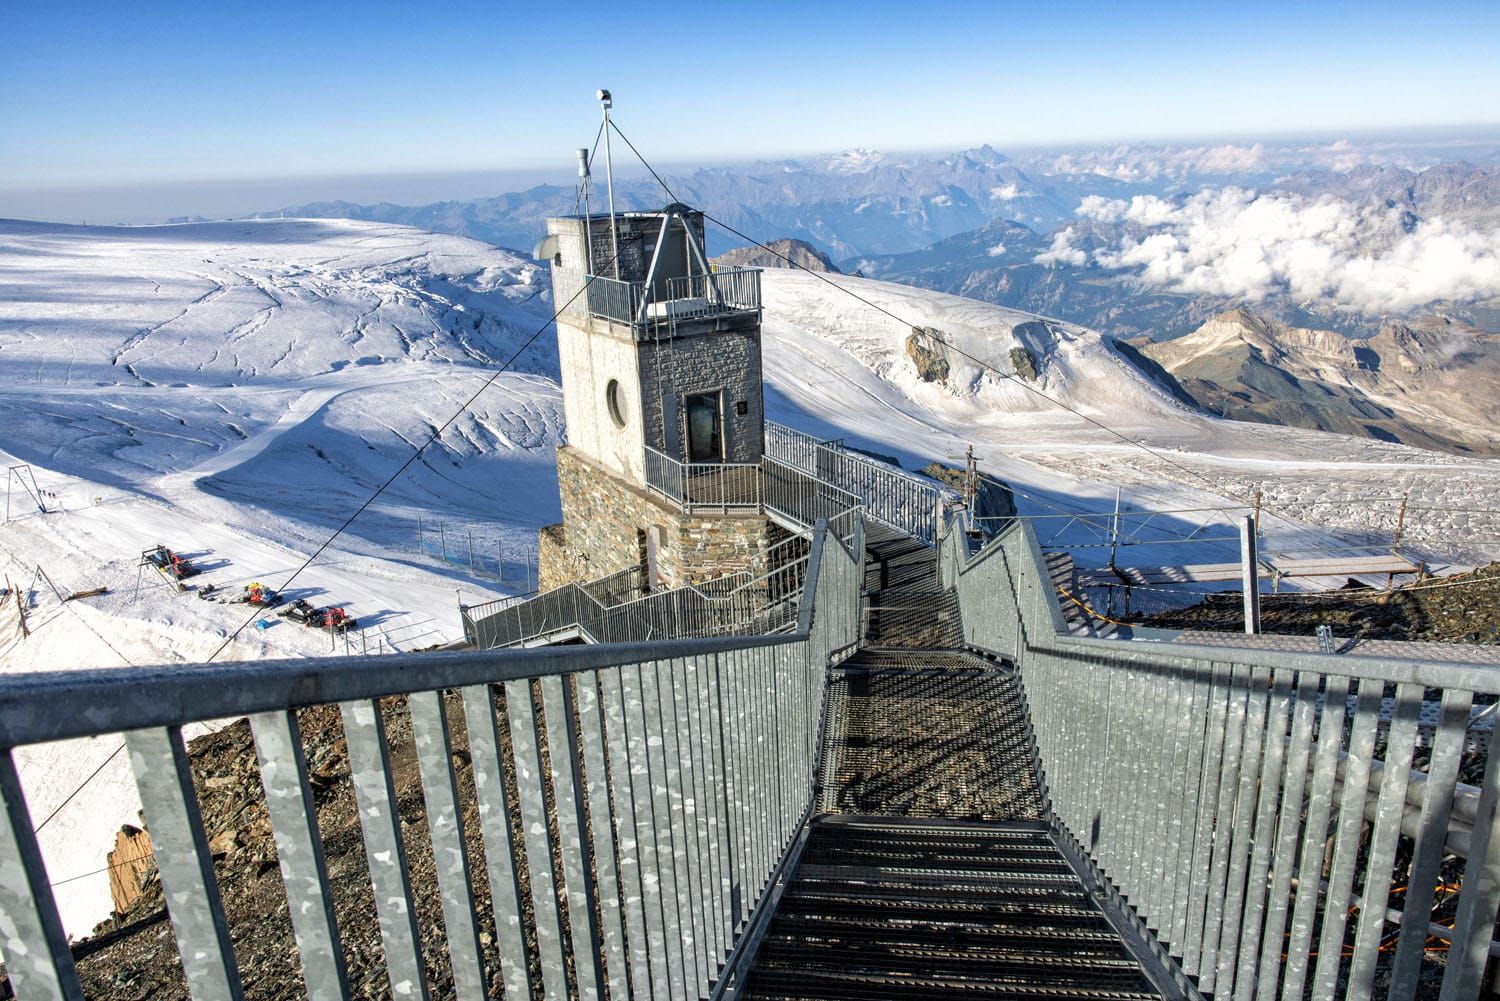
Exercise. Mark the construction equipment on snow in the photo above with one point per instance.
(332, 618)
(261, 596)
(168, 563)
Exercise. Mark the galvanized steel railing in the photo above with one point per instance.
(891, 496)
(795, 448)
(731, 290)
(761, 605)
(699, 486)
(679, 772)
(725, 290)
(1249, 804)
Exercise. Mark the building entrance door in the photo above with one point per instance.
(705, 427)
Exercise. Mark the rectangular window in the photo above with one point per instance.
(705, 427)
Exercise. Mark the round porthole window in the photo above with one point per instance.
(613, 400)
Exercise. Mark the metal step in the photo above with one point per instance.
(882, 908)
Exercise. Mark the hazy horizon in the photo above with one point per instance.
(146, 203)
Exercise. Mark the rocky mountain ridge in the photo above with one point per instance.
(1433, 384)
(777, 254)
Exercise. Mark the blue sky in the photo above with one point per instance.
(154, 93)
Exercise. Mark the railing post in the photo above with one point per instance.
(164, 778)
(1250, 574)
(32, 940)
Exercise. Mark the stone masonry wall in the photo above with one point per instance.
(604, 526)
(725, 360)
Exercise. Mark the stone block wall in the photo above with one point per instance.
(722, 359)
(606, 521)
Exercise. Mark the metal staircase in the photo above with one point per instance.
(931, 871)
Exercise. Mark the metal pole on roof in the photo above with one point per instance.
(607, 102)
(588, 232)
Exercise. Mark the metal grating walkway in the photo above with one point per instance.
(931, 873)
(883, 908)
(938, 734)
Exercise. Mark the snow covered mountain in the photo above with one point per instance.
(777, 254)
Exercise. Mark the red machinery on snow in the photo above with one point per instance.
(332, 618)
(168, 563)
(261, 596)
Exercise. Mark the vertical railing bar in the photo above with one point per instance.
(1320, 804)
(429, 724)
(1155, 754)
(1479, 899)
(562, 754)
(1370, 924)
(299, 853)
(605, 853)
(1243, 826)
(1289, 826)
(1198, 727)
(661, 814)
(727, 727)
(1219, 690)
(745, 696)
(1351, 819)
(615, 698)
(1271, 775)
(706, 751)
(703, 814)
(1223, 819)
(525, 742)
(33, 944)
(690, 887)
(385, 852)
(1168, 786)
(500, 849)
(164, 777)
(1183, 721)
(1428, 847)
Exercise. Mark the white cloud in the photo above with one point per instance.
(997, 250)
(942, 200)
(1005, 192)
(1240, 244)
(1062, 251)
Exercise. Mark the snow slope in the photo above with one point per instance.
(235, 391)
(840, 367)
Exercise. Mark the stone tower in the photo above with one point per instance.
(661, 375)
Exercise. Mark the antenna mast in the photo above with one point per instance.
(607, 102)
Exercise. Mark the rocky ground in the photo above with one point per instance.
(1464, 608)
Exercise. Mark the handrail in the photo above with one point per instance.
(898, 499)
(755, 605)
(730, 725)
(1235, 870)
(696, 486)
(689, 297)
